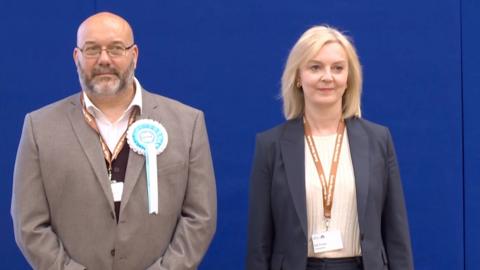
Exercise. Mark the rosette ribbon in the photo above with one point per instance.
(149, 138)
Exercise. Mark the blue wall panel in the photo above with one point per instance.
(471, 97)
(226, 58)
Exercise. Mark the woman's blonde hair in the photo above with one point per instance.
(305, 49)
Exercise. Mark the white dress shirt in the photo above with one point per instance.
(112, 132)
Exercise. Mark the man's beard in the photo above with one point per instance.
(105, 86)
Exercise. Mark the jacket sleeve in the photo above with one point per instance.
(197, 223)
(30, 211)
(395, 232)
(260, 223)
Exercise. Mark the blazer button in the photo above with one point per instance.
(112, 252)
(362, 236)
(113, 215)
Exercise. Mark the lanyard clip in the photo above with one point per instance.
(327, 223)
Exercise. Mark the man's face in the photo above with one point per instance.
(105, 57)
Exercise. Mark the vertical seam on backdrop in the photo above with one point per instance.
(463, 136)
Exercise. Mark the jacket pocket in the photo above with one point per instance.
(276, 262)
(168, 169)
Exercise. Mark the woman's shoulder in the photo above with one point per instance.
(356, 122)
(286, 129)
(374, 131)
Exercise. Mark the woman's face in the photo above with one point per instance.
(324, 77)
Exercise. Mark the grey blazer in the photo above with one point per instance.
(277, 228)
(62, 204)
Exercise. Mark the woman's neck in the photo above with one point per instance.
(323, 121)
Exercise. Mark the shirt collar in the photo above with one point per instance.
(136, 101)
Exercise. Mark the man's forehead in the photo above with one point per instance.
(104, 27)
(108, 43)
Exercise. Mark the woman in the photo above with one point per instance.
(325, 190)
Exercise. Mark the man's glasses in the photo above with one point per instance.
(113, 50)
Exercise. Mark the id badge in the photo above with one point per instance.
(117, 190)
(327, 241)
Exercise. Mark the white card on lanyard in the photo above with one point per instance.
(327, 241)
(117, 190)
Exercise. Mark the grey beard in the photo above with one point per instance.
(106, 89)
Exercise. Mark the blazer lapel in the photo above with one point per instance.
(359, 150)
(136, 162)
(90, 143)
(293, 154)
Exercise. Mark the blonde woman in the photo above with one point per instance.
(325, 189)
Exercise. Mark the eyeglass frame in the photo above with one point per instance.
(104, 48)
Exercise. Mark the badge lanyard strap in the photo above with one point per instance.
(327, 188)
(109, 157)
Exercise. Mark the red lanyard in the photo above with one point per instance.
(327, 188)
(109, 157)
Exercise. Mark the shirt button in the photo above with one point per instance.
(112, 252)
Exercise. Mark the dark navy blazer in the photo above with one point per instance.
(277, 227)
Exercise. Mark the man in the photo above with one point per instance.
(82, 198)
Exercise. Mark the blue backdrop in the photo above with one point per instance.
(226, 58)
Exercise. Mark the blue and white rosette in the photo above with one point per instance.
(149, 138)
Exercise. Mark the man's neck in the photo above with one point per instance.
(113, 106)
